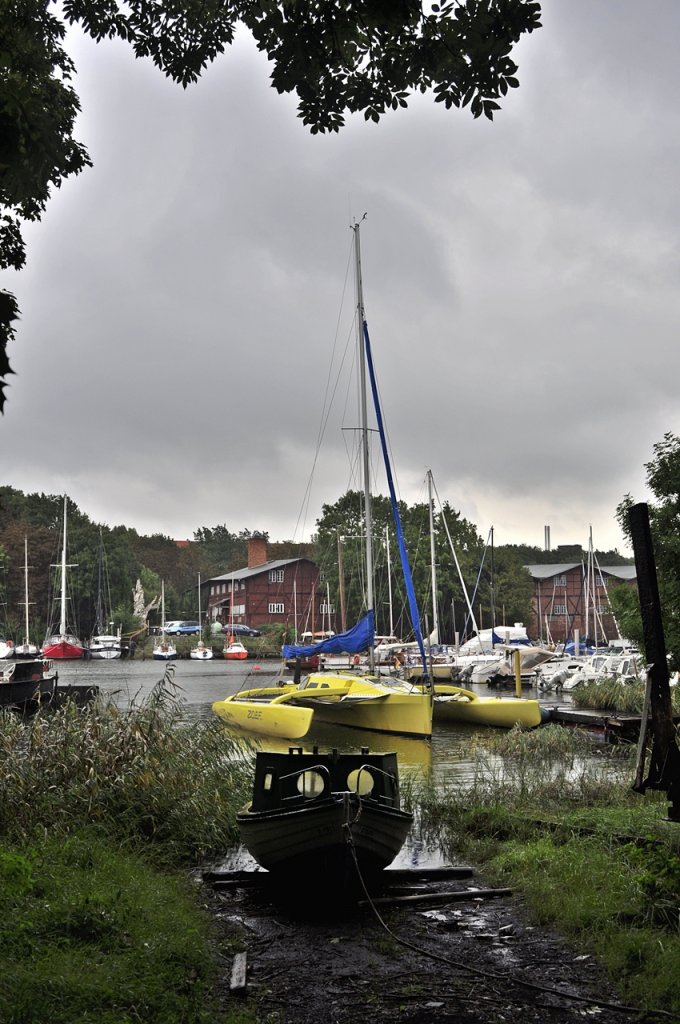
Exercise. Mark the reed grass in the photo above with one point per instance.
(609, 694)
(140, 776)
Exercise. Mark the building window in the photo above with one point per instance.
(276, 575)
(327, 609)
(322, 576)
(276, 608)
(239, 609)
(559, 609)
(560, 581)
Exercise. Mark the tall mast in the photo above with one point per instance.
(26, 640)
(361, 319)
(62, 618)
(435, 617)
(389, 578)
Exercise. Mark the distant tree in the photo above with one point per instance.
(339, 56)
(663, 480)
(341, 535)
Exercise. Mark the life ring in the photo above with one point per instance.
(356, 660)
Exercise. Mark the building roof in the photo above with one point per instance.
(544, 572)
(255, 570)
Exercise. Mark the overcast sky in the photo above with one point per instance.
(181, 302)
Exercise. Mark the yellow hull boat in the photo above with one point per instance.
(373, 703)
(266, 712)
(362, 702)
(454, 704)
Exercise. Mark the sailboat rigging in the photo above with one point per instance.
(164, 649)
(365, 702)
(63, 645)
(202, 651)
(27, 649)
(104, 644)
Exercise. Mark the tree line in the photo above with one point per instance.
(476, 580)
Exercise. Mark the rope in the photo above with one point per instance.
(488, 974)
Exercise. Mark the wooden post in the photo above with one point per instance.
(518, 673)
(664, 768)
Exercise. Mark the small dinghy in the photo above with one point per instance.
(325, 819)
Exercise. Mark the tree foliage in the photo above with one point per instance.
(663, 480)
(339, 56)
(341, 544)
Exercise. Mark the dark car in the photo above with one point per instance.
(240, 629)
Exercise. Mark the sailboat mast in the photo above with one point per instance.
(389, 579)
(361, 318)
(62, 617)
(435, 618)
(26, 640)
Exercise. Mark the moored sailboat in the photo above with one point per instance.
(366, 702)
(202, 651)
(26, 649)
(63, 645)
(164, 649)
(103, 646)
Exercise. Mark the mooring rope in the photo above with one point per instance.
(485, 973)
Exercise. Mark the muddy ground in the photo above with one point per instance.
(469, 957)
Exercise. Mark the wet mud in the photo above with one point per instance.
(422, 949)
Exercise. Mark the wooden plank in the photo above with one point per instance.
(444, 871)
(237, 985)
(454, 896)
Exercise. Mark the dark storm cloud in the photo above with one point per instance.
(181, 302)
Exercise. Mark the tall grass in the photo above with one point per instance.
(623, 698)
(140, 776)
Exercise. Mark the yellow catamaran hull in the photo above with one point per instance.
(455, 704)
(266, 712)
(361, 702)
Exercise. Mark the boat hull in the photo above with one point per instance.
(63, 649)
(264, 717)
(373, 704)
(454, 704)
(316, 818)
(26, 684)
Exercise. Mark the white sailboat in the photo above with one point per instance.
(104, 646)
(26, 649)
(368, 702)
(202, 651)
(63, 645)
(164, 649)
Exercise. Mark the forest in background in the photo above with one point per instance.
(498, 586)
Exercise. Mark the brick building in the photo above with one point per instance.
(285, 591)
(565, 600)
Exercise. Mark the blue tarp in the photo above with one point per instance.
(358, 638)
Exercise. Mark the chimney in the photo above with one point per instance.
(257, 552)
(547, 538)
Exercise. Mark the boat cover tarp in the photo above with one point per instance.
(357, 639)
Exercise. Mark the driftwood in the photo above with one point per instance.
(237, 985)
(454, 896)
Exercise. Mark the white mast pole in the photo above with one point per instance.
(435, 618)
(389, 578)
(361, 317)
(26, 640)
(62, 617)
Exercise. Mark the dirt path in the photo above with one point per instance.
(475, 960)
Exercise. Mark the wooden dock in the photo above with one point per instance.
(615, 727)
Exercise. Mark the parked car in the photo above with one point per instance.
(172, 626)
(183, 628)
(240, 629)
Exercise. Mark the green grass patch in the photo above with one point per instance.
(92, 934)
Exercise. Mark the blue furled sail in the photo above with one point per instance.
(357, 639)
(405, 564)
